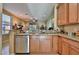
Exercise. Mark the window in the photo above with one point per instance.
(6, 24)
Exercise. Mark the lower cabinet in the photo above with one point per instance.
(55, 44)
(40, 44)
(45, 44)
(74, 47)
(74, 51)
(59, 45)
(65, 48)
(34, 44)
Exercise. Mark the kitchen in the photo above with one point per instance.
(41, 28)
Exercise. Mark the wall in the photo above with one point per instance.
(17, 21)
(71, 28)
(55, 18)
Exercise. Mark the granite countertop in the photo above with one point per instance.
(75, 38)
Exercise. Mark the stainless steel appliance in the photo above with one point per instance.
(22, 44)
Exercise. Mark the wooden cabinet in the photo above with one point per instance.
(78, 12)
(65, 47)
(41, 44)
(34, 44)
(55, 44)
(68, 13)
(72, 13)
(62, 14)
(74, 47)
(74, 50)
(59, 15)
(59, 45)
(45, 44)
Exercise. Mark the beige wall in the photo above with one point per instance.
(71, 28)
(17, 21)
(55, 18)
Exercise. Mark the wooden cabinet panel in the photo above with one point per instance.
(59, 9)
(78, 12)
(59, 45)
(62, 14)
(41, 44)
(72, 12)
(65, 48)
(74, 50)
(45, 44)
(34, 44)
(69, 47)
(68, 13)
(55, 44)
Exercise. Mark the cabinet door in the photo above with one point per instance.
(59, 45)
(78, 12)
(62, 14)
(72, 12)
(74, 50)
(55, 44)
(65, 48)
(45, 44)
(74, 47)
(59, 15)
(65, 14)
(34, 44)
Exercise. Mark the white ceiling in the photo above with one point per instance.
(40, 11)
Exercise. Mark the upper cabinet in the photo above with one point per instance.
(62, 14)
(67, 13)
(78, 12)
(72, 13)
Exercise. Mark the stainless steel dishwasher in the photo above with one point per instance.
(22, 44)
